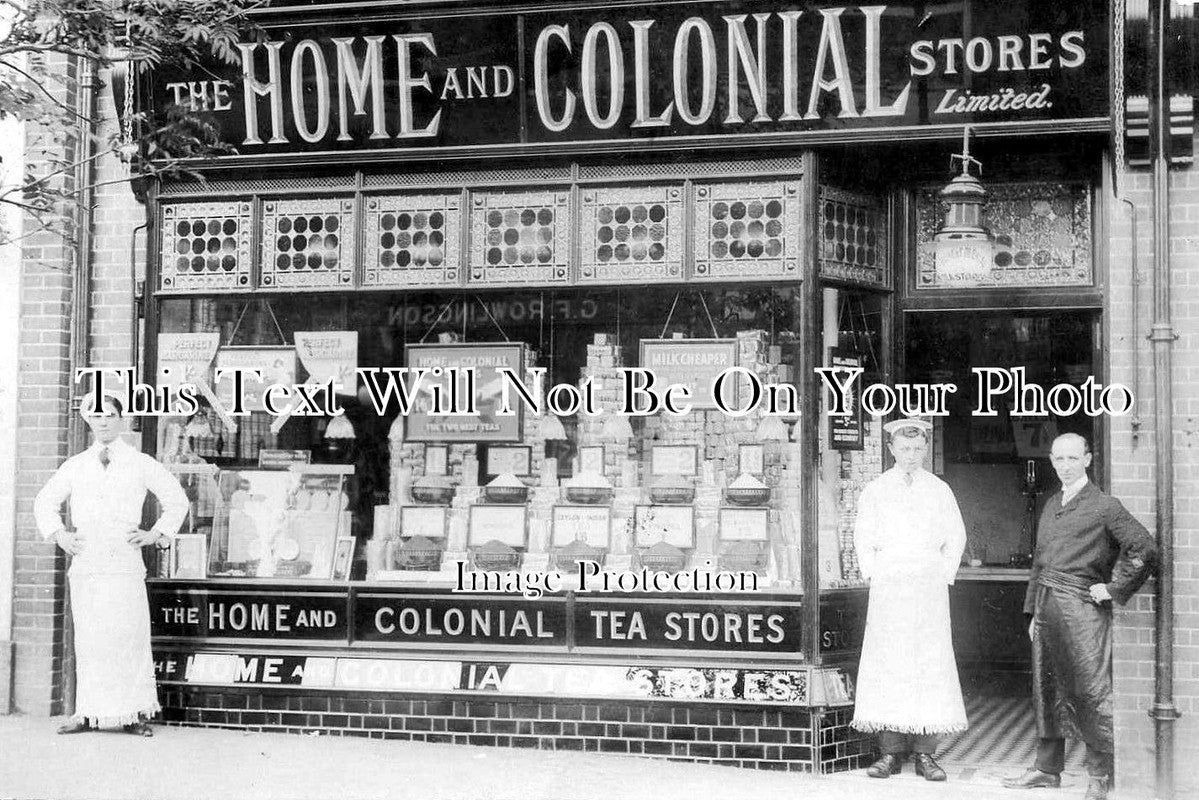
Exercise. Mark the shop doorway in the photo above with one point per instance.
(999, 470)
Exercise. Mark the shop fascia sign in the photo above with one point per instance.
(662, 73)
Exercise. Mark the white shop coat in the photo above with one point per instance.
(909, 541)
(106, 503)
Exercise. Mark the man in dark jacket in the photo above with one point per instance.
(1090, 551)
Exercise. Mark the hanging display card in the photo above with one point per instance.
(497, 522)
(326, 356)
(187, 358)
(276, 364)
(427, 521)
(467, 372)
(589, 524)
(744, 524)
(846, 433)
(694, 363)
(674, 525)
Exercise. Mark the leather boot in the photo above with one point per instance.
(926, 766)
(890, 764)
(1097, 788)
(1034, 779)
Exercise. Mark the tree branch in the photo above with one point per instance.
(45, 91)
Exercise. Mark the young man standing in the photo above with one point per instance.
(1090, 551)
(106, 486)
(909, 538)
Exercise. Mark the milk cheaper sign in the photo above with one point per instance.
(660, 73)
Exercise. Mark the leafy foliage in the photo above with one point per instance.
(42, 42)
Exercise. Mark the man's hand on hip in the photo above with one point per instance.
(1099, 593)
(140, 538)
(70, 541)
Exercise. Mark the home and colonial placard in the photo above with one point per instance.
(458, 398)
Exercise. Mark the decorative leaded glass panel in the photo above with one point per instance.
(853, 238)
(520, 237)
(412, 240)
(1041, 234)
(632, 234)
(307, 243)
(747, 231)
(206, 246)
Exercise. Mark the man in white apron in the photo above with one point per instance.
(106, 486)
(909, 538)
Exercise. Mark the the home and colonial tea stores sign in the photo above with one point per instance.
(663, 74)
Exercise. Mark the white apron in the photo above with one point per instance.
(114, 667)
(909, 541)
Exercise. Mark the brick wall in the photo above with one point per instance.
(46, 286)
(780, 739)
(1132, 473)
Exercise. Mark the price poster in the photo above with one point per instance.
(846, 432)
(589, 524)
(674, 525)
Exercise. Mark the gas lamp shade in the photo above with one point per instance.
(340, 428)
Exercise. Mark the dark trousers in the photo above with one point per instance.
(1072, 675)
(898, 744)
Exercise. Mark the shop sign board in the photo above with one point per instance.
(248, 614)
(465, 380)
(441, 619)
(772, 686)
(646, 76)
(457, 620)
(686, 625)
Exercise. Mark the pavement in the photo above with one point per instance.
(199, 763)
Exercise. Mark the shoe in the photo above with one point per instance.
(1097, 789)
(885, 767)
(926, 766)
(1034, 779)
(78, 726)
(139, 729)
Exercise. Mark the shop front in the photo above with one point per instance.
(432, 308)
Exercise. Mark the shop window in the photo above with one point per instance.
(632, 234)
(307, 243)
(704, 490)
(520, 237)
(206, 246)
(412, 240)
(1041, 235)
(747, 231)
(853, 239)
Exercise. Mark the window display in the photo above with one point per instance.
(421, 492)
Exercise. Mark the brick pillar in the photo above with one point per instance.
(40, 654)
(1132, 460)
